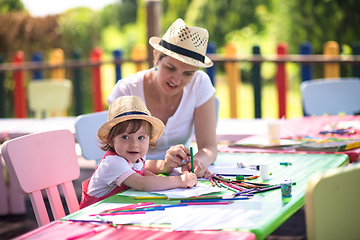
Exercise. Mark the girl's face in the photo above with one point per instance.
(132, 146)
(173, 75)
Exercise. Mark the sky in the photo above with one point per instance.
(41, 8)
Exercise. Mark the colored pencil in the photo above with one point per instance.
(131, 206)
(230, 188)
(234, 175)
(152, 197)
(214, 200)
(198, 197)
(209, 203)
(94, 230)
(192, 159)
(106, 221)
(119, 213)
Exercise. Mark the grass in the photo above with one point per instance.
(245, 101)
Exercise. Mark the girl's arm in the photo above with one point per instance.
(157, 183)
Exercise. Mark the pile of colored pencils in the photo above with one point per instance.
(241, 187)
(143, 207)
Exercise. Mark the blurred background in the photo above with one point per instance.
(35, 26)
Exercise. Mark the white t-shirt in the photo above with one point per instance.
(111, 172)
(178, 128)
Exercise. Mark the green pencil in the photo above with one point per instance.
(192, 159)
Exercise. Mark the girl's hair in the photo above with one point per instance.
(135, 125)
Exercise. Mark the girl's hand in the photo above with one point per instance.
(175, 157)
(199, 169)
(188, 180)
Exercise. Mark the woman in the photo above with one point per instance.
(180, 95)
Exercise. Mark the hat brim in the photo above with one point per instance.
(158, 126)
(154, 42)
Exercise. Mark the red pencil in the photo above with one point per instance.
(119, 213)
(208, 203)
(131, 206)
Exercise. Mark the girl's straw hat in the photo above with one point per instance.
(128, 108)
(186, 44)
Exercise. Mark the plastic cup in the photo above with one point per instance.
(274, 130)
(265, 171)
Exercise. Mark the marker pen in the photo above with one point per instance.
(250, 166)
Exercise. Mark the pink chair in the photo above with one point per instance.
(44, 161)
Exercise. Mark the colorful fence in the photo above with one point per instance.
(57, 65)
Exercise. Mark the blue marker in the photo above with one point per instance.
(285, 163)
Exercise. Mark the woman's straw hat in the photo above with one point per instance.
(128, 108)
(186, 44)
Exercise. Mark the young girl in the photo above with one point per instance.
(126, 138)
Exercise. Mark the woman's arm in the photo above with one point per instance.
(205, 132)
(173, 159)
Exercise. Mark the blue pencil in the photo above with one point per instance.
(234, 175)
(215, 200)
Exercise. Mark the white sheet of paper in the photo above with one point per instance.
(198, 190)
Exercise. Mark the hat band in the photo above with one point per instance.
(131, 113)
(182, 51)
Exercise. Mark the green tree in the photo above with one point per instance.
(119, 13)
(328, 20)
(222, 17)
(11, 6)
(79, 28)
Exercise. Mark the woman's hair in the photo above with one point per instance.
(159, 55)
(135, 125)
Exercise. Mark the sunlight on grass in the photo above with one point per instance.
(108, 78)
(245, 103)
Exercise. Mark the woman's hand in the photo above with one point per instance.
(199, 169)
(176, 156)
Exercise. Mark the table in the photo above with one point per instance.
(64, 229)
(16, 127)
(234, 129)
(306, 126)
(273, 209)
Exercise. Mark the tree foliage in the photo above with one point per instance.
(318, 21)
(7, 6)
(79, 28)
(119, 13)
(294, 22)
(20, 31)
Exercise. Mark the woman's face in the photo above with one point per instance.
(173, 75)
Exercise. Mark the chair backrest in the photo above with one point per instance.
(217, 105)
(331, 96)
(45, 160)
(86, 127)
(52, 97)
(332, 204)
